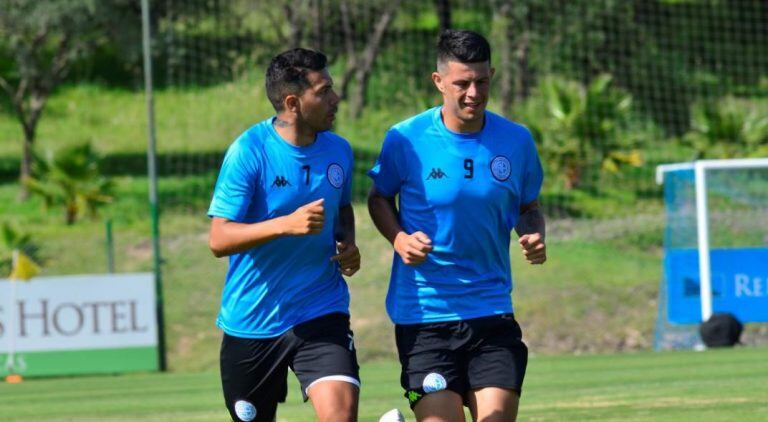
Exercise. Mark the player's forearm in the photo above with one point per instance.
(346, 229)
(531, 221)
(384, 215)
(230, 237)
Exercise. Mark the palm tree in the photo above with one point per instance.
(586, 127)
(727, 128)
(14, 239)
(71, 177)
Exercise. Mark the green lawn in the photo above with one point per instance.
(716, 385)
(188, 120)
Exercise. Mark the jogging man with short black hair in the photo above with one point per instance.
(281, 212)
(464, 178)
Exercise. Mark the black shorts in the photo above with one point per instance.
(254, 371)
(461, 356)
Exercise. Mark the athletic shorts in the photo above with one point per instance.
(254, 371)
(461, 356)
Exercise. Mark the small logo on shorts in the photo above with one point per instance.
(434, 382)
(413, 396)
(336, 175)
(245, 410)
(501, 168)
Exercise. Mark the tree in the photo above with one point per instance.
(444, 14)
(14, 239)
(513, 22)
(71, 177)
(44, 38)
(727, 128)
(586, 125)
(360, 62)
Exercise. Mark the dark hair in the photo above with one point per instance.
(463, 46)
(287, 73)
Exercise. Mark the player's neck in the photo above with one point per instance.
(454, 124)
(292, 132)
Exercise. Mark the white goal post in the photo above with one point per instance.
(700, 168)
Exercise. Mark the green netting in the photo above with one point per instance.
(632, 77)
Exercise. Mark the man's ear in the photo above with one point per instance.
(291, 103)
(437, 78)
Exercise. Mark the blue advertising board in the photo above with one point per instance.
(739, 284)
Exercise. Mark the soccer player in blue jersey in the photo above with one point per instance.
(464, 178)
(281, 212)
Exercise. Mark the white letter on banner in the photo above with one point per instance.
(757, 283)
(742, 285)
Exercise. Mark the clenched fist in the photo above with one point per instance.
(348, 258)
(307, 219)
(534, 249)
(412, 248)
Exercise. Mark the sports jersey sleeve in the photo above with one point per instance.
(346, 193)
(533, 175)
(236, 184)
(387, 173)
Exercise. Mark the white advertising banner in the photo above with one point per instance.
(100, 311)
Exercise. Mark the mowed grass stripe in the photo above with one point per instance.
(713, 385)
(716, 385)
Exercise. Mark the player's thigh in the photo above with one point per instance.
(441, 406)
(334, 400)
(493, 404)
(253, 376)
(325, 353)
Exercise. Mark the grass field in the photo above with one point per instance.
(716, 385)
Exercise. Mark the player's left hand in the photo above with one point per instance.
(348, 258)
(534, 249)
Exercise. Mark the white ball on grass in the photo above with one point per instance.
(393, 415)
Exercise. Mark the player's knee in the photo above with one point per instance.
(338, 410)
(335, 401)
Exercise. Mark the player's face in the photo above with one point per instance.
(319, 102)
(465, 88)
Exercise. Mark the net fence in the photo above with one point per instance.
(609, 88)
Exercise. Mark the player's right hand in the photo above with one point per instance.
(412, 248)
(307, 219)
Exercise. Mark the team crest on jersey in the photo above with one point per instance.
(501, 168)
(245, 410)
(335, 175)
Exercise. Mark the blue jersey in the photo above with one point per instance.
(464, 191)
(291, 279)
